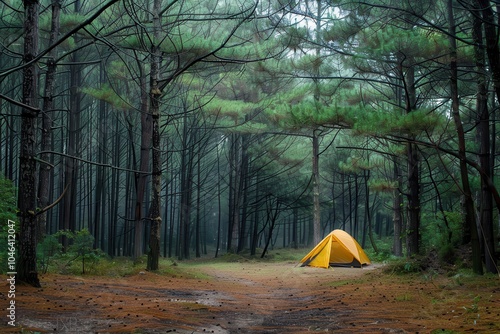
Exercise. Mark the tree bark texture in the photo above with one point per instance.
(397, 220)
(141, 179)
(155, 94)
(413, 171)
(316, 190)
(26, 264)
(44, 182)
(186, 190)
(470, 218)
(483, 134)
(234, 193)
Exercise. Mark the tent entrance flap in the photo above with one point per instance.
(337, 249)
(319, 256)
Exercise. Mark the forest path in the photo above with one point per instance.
(258, 297)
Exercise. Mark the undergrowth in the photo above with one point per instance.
(53, 260)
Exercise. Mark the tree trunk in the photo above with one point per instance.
(316, 190)
(295, 223)
(173, 186)
(254, 239)
(397, 203)
(315, 140)
(219, 204)
(483, 135)
(413, 229)
(73, 144)
(234, 193)
(491, 35)
(46, 138)
(198, 241)
(26, 263)
(368, 212)
(100, 190)
(272, 216)
(244, 179)
(413, 160)
(155, 94)
(355, 206)
(142, 178)
(186, 170)
(470, 221)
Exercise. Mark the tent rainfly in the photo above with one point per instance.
(338, 248)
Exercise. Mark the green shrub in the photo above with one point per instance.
(46, 250)
(443, 235)
(81, 247)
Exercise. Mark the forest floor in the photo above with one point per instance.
(259, 297)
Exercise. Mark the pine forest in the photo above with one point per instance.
(176, 130)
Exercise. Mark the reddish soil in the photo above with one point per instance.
(250, 297)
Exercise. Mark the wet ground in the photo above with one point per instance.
(256, 297)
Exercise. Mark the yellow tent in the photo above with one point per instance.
(338, 248)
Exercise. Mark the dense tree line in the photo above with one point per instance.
(190, 127)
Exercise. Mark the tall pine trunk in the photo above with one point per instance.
(44, 182)
(142, 178)
(187, 160)
(234, 193)
(244, 180)
(26, 263)
(73, 144)
(155, 94)
(413, 171)
(316, 190)
(397, 203)
(483, 128)
(470, 218)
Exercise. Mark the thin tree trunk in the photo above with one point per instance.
(295, 223)
(173, 184)
(46, 138)
(219, 204)
(272, 216)
(234, 193)
(99, 187)
(368, 212)
(186, 190)
(244, 179)
(155, 94)
(73, 144)
(470, 221)
(344, 217)
(413, 229)
(198, 204)
(316, 225)
(254, 238)
(142, 178)
(115, 184)
(397, 203)
(316, 180)
(355, 208)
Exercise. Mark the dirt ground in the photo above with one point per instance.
(252, 297)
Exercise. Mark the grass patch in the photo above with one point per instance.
(340, 283)
(356, 281)
(123, 267)
(404, 298)
(278, 255)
